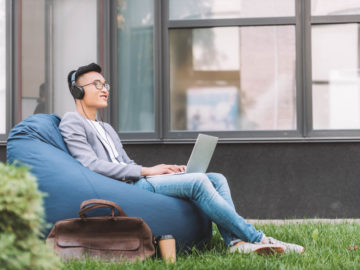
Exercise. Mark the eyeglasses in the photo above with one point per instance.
(99, 85)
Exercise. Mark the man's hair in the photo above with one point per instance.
(81, 71)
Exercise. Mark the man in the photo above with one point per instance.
(97, 146)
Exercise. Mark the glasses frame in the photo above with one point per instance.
(97, 83)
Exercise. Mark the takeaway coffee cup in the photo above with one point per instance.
(167, 248)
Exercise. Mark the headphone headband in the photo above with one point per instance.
(76, 91)
(73, 82)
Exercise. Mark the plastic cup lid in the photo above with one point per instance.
(165, 236)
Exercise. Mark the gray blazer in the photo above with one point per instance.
(85, 145)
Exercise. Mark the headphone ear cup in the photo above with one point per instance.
(77, 92)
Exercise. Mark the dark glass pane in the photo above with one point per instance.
(136, 65)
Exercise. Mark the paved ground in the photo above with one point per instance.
(291, 221)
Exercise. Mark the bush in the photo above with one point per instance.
(21, 221)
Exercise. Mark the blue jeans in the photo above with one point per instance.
(210, 192)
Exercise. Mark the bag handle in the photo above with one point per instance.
(98, 203)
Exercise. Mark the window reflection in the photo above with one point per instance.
(135, 60)
(221, 9)
(336, 76)
(335, 7)
(32, 54)
(56, 37)
(233, 78)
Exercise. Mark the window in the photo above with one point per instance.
(56, 37)
(336, 76)
(233, 78)
(335, 68)
(220, 9)
(335, 7)
(2, 67)
(231, 68)
(33, 50)
(135, 66)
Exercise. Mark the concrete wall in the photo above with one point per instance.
(276, 180)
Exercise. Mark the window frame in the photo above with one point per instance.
(240, 135)
(103, 47)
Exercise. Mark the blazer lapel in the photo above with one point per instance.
(96, 133)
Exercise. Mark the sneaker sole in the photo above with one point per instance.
(296, 251)
(269, 250)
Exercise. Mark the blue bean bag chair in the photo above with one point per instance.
(37, 142)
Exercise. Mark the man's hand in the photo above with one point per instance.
(162, 169)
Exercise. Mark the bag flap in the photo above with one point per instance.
(121, 244)
(121, 233)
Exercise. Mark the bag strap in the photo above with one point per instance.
(91, 204)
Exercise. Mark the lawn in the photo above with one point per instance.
(328, 246)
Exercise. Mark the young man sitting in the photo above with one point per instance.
(97, 146)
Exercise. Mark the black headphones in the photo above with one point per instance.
(76, 91)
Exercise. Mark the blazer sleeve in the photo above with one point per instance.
(73, 132)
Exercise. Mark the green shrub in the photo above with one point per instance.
(21, 221)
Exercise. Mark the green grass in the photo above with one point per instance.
(326, 248)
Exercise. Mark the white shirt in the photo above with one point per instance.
(106, 140)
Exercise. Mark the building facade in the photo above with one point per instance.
(278, 81)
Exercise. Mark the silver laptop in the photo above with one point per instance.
(200, 156)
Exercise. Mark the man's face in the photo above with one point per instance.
(96, 98)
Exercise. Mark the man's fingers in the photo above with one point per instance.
(169, 171)
(166, 168)
(173, 168)
(180, 168)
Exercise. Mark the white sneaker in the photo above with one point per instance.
(288, 247)
(259, 248)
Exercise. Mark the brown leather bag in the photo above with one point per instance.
(111, 237)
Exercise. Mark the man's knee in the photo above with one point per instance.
(217, 178)
(200, 184)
